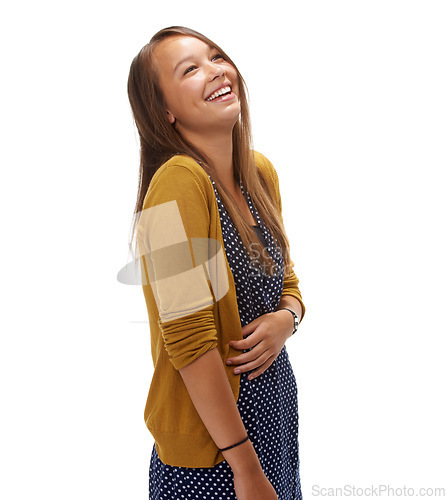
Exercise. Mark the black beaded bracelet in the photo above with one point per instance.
(234, 445)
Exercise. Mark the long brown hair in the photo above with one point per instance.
(159, 141)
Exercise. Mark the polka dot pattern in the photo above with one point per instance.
(267, 404)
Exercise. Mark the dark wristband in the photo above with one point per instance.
(234, 445)
(295, 317)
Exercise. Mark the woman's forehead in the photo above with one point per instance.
(171, 51)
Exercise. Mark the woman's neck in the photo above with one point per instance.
(218, 147)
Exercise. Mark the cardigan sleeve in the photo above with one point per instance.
(290, 280)
(174, 247)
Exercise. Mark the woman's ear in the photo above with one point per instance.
(170, 117)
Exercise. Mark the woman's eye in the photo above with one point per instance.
(188, 69)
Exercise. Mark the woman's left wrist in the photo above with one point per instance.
(294, 317)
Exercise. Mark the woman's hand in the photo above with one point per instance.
(253, 486)
(268, 334)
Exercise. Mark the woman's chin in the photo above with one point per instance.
(228, 116)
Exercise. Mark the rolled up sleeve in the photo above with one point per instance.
(174, 245)
(188, 339)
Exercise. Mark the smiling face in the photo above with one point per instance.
(189, 73)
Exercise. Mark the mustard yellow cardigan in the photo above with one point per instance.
(188, 317)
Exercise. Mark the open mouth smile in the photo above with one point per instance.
(223, 94)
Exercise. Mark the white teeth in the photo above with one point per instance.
(219, 92)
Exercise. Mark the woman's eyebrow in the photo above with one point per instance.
(187, 58)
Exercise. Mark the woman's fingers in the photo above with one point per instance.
(264, 344)
(261, 369)
(250, 363)
(246, 357)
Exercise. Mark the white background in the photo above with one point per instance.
(348, 102)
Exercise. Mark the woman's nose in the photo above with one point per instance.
(215, 72)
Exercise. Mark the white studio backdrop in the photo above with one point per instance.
(347, 100)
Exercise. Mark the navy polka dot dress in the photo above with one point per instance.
(267, 404)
